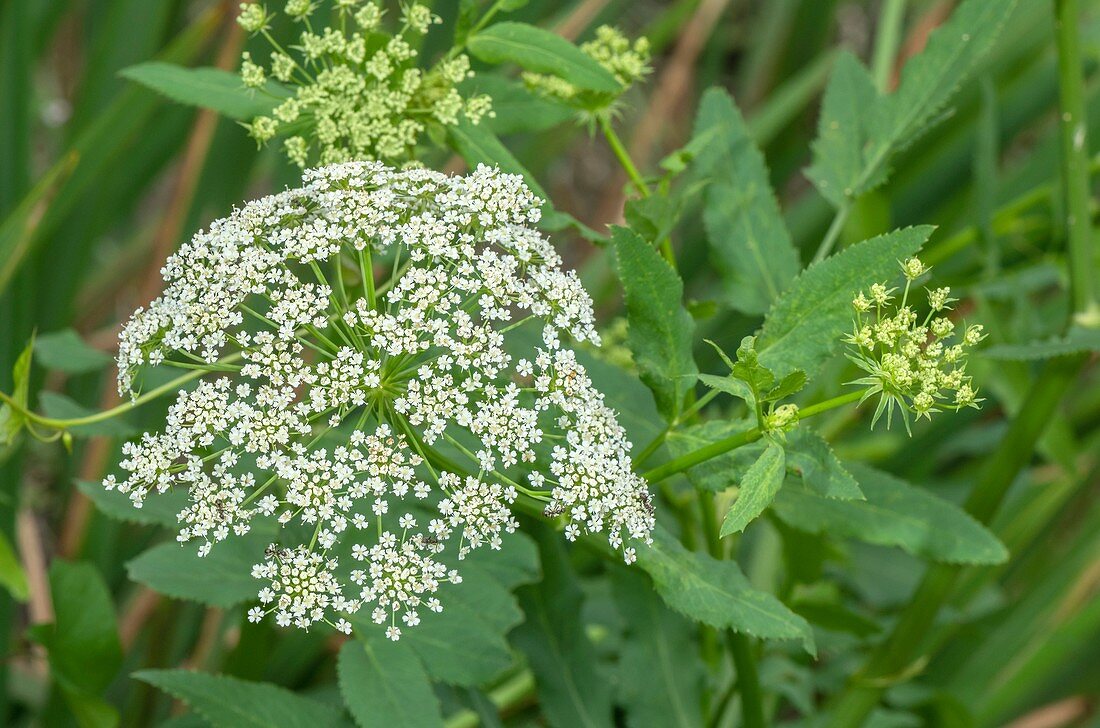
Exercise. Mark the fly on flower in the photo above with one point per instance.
(914, 368)
(382, 420)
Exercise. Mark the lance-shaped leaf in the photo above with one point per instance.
(12, 418)
(383, 683)
(748, 239)
(541, 51)
(860, 130)
(894, 513)
(660, 334)
(757, 489)
(208, 88)
(805, 325)
(843, 132)
(717, 593)
(227, 702)
(12, 576)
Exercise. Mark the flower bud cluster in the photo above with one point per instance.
(355, 91)
(327, 392)
(915, 365)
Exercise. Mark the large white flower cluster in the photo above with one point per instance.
(362, 385)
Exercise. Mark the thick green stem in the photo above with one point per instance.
(748, 681)
(899, 656)
(721, 447)
(623, 156)
(1075, 162)
(833, 233)
(510, 694)
(886, 42)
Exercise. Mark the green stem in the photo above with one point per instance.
(510, 694)
(707, 452)
(1075, 161)
(898, 656)
(721, 447)
(833, 233)
(886, 42)
(659, 440)
(114, 411)
(748, 681)
(635, 176)
(623, 156)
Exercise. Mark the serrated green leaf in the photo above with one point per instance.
(208, 88)
(805, 325)
(12, 576)
(384, 684)
(465, 643)
(894, 513)
(541, 51)
(65, 351)
(221, 579)
(227, 702)
(749, 370)
(653, 217)
(717, 593)
(748, 239)
(159, 509)
(788, 385)
(822, 472)
(930, 79)
(861, 130)
(660, 334)
(660, 679)
(571, 690)
(757, 489)
(843, 131)
(730, 385)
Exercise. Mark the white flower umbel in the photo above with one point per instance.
(361, 385)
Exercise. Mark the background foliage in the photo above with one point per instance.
(947, 578)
